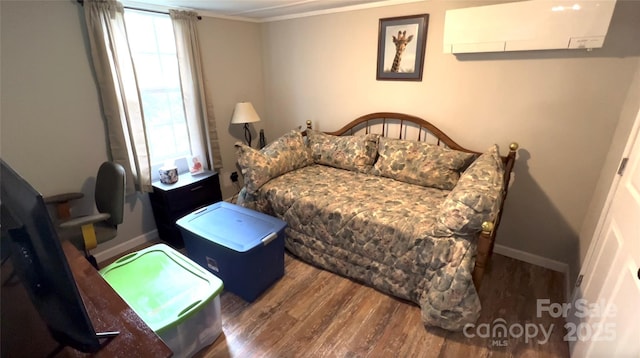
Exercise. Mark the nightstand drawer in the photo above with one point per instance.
(194, 195)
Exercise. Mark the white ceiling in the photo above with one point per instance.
(261, 10)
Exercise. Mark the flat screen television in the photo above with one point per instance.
(40, 263)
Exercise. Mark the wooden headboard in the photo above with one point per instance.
(405, 126)
(401, 126)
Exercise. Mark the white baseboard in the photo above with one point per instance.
(127, 245)
(538, 261)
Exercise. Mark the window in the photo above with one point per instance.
(153, 49)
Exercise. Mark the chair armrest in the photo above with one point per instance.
(84, 220)
(61, 198)
(61, 201)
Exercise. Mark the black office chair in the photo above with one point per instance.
(87, 232)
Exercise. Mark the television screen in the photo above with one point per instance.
(40, 263)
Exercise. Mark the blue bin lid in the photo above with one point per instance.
(232, 226)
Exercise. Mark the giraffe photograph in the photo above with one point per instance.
(400, 54)
(401, 47)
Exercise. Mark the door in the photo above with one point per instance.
(604, 318)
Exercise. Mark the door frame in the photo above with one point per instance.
(595, 238)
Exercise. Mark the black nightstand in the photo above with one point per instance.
(170, 202)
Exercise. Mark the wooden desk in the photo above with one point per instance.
(24, 333)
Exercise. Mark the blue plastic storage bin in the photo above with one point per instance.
(243, 247)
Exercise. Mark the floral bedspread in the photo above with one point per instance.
(379, 231)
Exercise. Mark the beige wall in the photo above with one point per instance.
(561, 106)
(52, 130)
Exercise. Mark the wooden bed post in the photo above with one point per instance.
(485, 241)
(487, 237)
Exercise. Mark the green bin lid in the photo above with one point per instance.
(162, 286)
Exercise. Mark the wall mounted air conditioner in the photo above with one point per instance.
(528, 25)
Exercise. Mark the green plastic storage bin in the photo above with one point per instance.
(174, 296)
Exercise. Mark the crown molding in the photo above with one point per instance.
(205, 13)
(339, 9)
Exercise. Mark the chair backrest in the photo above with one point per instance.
(109, 192)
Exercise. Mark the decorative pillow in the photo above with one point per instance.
(355, 153)
(285, 154)
(420, 163)
(246, 200)
(476, 198)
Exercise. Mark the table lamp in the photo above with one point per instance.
(244, 113)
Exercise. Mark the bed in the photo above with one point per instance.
(388, 200)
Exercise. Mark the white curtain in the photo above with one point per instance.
(119, 94)
(198, 107)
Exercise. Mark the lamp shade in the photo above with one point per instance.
(244, 113)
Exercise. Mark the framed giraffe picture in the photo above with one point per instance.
(401, 46)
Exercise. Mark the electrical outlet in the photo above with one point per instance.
(234, 177)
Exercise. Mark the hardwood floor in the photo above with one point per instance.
(314, 313)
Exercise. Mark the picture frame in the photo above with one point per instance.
(196, 166)
(401, 46)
